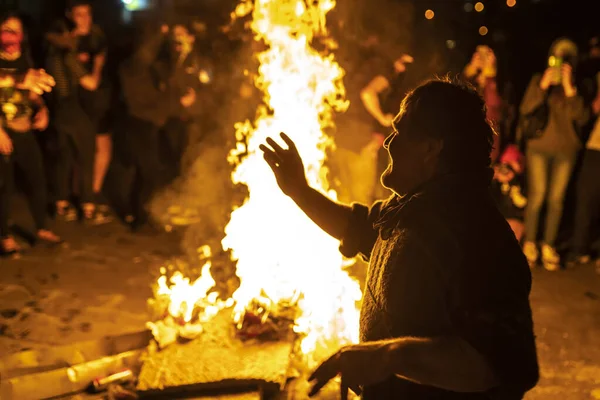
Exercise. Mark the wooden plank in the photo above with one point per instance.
(182, 393)
(50, 358)
(60, 382)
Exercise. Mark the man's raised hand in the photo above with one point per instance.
(286, 165)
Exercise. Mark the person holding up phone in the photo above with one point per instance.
(551, 156)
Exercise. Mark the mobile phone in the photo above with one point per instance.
(556, 63)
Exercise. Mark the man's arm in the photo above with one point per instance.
(447, 363)
(288, 168)
(332, 217)
(370, 98)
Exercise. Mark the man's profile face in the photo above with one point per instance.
(409, 159)
(82, 17)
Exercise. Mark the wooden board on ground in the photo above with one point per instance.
(64, 381)
(217, 360)
(57, 357)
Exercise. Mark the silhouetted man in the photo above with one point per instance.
(445, 312)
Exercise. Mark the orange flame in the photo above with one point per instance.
(280, 253)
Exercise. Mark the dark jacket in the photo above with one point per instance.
(62, 62)
(444, 262)
(143, 85)
(566, 118)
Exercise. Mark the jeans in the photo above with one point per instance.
(588, 202)
(548, 176)
(27, 159)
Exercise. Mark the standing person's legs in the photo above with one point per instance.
(588, 202)
(144, 141)
(28, 159)
(78, 125)
(65, 160)
(7, 243)
(560, 174)
(102, 160)
(537, 183)
(96, 105)
(175, 132)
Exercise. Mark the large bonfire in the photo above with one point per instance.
(283, 259)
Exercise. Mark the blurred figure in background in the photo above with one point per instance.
(587, 212)
(76, 58)
(22, 111)
(588, 70)
(147, 100)
(552, 113)
(506, 188)
(481, 72)
(381, 98)
(188, 73)
(357, 145)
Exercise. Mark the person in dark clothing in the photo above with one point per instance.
(147, 100)
(22, 112)
(445, 312)
(188, 73)
(551, 157)
(587, 211)
(76, 58)
(587, 70)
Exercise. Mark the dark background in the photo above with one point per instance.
(520, 35)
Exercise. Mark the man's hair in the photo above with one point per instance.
(455, 113)
(71, 4)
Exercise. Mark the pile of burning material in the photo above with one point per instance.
(181, 307)
(291, 303)
(267, 321)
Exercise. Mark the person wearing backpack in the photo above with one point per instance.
(552, 112)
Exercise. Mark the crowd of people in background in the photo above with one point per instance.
(145, 108)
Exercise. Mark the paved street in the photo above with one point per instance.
(99, 282)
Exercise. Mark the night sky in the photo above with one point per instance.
(521, 35)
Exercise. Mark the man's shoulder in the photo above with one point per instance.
(466, 230)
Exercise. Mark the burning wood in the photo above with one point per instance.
(283, 291)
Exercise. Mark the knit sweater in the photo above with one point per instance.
(444, 262)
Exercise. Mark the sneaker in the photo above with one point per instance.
(67, 213)
(576, 260)
(531, 253)
(550, 258)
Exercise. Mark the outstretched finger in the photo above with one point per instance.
(343, 389)
(323, 374)
(276, 147)
(356, 389)
(291, 145)
(267, 150)
(272, 161)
